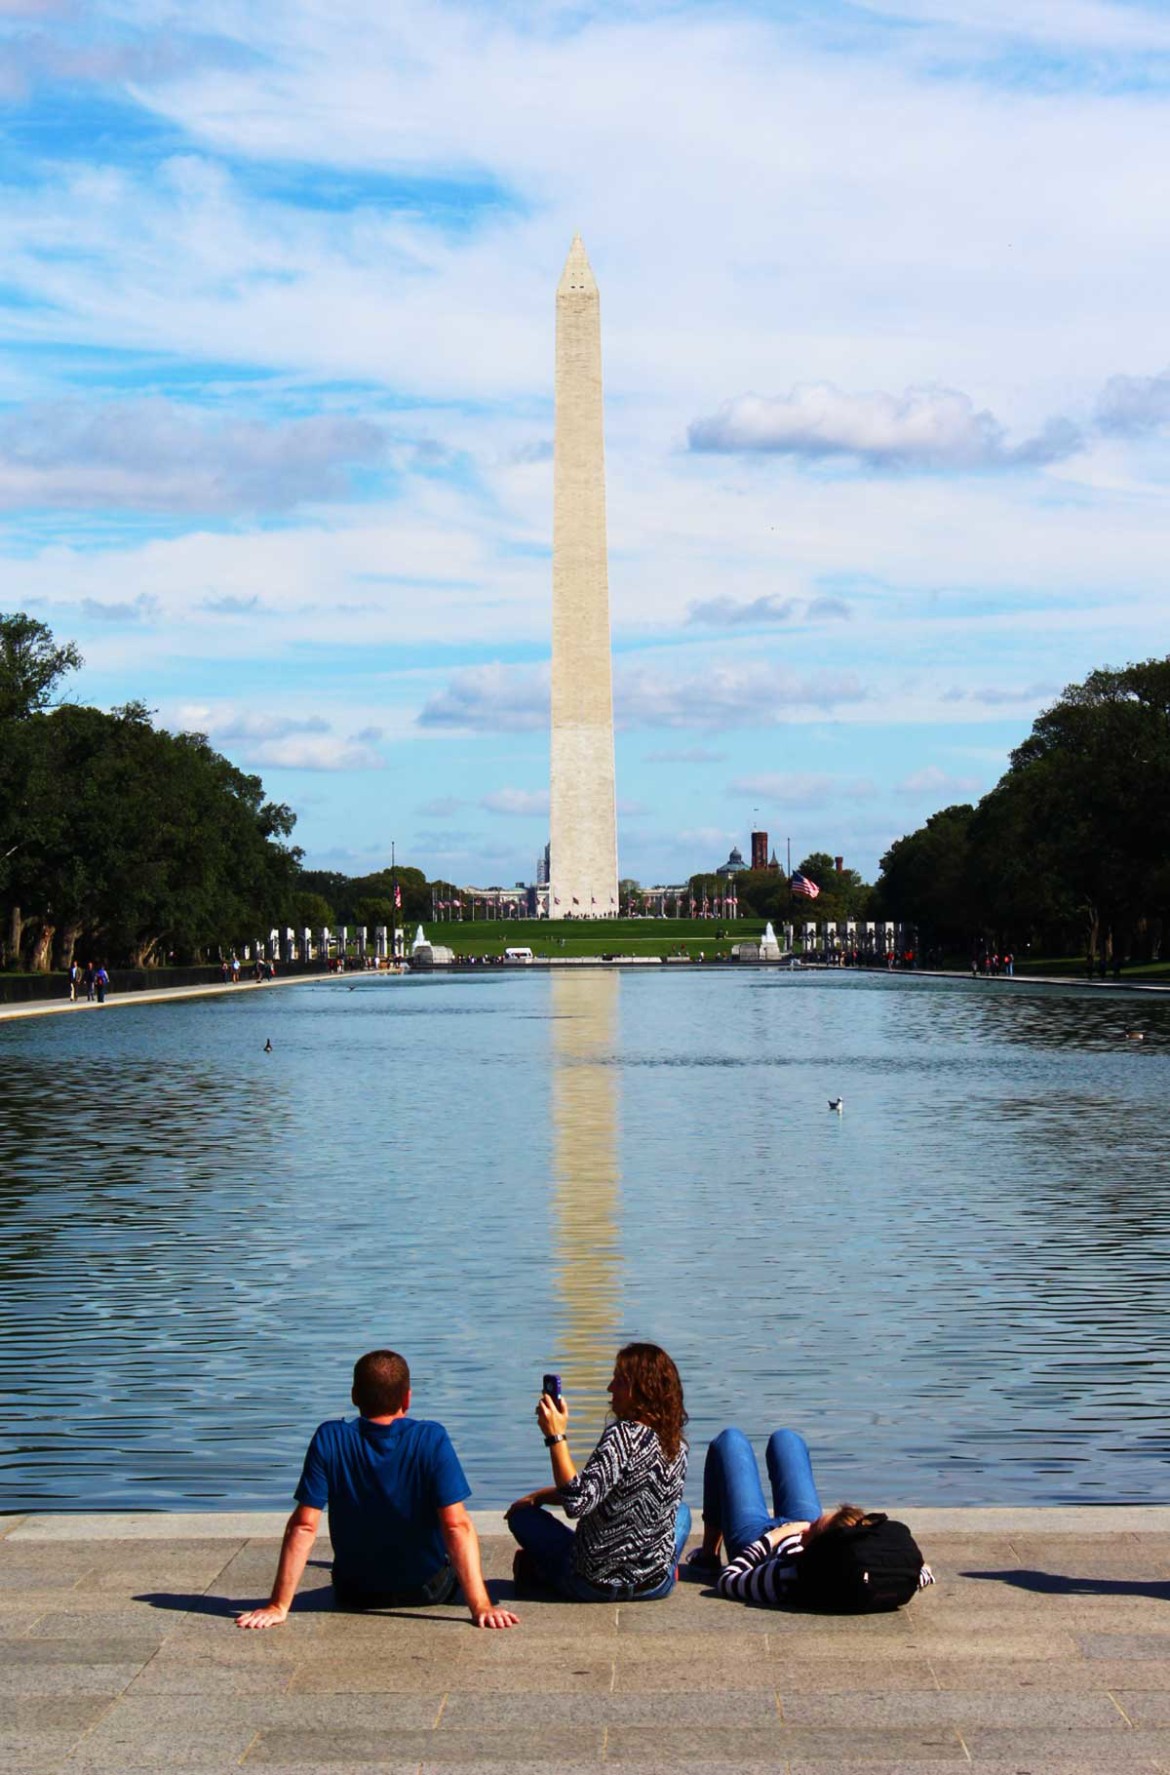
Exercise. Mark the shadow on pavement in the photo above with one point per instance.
(1059, 1584)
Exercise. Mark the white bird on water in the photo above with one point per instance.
(837, 1103)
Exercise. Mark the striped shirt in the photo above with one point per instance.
(626, 1497)
(766, 1574)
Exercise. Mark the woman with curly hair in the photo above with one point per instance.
(627, 1499)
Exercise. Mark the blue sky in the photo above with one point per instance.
(887, 371)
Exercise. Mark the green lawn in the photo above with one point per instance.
(610, 936)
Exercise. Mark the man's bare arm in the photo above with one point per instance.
(299, 1534)
(462, 1544)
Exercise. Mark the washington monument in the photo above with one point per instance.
(583, 874)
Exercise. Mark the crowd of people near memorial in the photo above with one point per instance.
(402, 1538)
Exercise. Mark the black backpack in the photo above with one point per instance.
(856, 1571)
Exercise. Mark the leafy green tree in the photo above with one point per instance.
(372, 912)
(926, 880)
(1089, 793)
(313, 911)
(843, 894)
(144, 843)
(31, 665)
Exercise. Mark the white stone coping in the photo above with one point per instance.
(1072, 1520)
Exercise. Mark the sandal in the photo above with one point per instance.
(700, 1562)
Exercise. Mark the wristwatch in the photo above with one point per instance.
(551, 1441)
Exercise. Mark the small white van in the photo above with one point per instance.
(520, 955)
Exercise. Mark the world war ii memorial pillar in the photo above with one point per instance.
(583, 874)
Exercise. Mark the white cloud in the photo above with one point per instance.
(728, 694)
(226, 722)
(1130, 406)
(139, 609)
(310, 752)
(493, 698)
(524, 802)
(931, 781)
(685, 755)
(1061, 25)
(931, 428)
(152, 455)
(803, 788)
(997, 696)
(754, 693)
(727, 613)
(281, 742)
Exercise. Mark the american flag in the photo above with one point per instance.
(397, 898)
(802, 884)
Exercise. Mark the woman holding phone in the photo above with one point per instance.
(626, 1500)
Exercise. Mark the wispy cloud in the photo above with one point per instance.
(803, 788)
(282, 742)
(1132, 406)
(758, 693)
(522, 802)
(996, 696)
(132, 610)
(685, 755)
(931, 781)
(511, 699)
(153, 455)
(728, 613)
(925, 428)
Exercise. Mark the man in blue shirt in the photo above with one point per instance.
(395, 1492)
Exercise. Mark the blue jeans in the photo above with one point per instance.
(550, 1543)
(733, 1498)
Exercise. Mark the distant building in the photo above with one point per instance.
(759, 850)
(734, 865)
(542, 866)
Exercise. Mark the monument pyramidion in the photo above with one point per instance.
(583, 869)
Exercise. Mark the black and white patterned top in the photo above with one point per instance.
(767, 1574)
(626, 1497)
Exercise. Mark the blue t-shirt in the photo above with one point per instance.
(384, 1485)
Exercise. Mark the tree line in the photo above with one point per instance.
(120, 841)
(1069, 854)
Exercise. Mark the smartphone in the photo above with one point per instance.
(551, 1384)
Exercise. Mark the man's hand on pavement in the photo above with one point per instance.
(496, 1617)
(271, 1615)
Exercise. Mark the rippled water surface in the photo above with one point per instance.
(957, 1288)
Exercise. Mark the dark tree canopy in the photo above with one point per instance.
(31, 665)
(120, 837)
(1071, 849)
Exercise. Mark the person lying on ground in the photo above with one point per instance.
(395, 1491)
(627, 1499)
(848, 1558)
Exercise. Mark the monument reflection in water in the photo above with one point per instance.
(586, 1189)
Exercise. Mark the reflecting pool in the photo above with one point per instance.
(956, 1288)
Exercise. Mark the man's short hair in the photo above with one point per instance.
(381, 1382)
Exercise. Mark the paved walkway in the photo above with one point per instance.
(54, 1007)
(1044, 1648)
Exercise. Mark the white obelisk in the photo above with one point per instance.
(583, 872)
